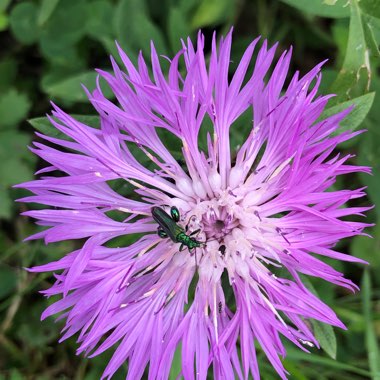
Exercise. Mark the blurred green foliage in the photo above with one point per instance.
(50, 47)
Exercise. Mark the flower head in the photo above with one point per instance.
(229, 217)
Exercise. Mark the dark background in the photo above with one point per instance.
(49, 47)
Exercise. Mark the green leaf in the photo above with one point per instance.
(374, 24)
(135, 29)
(355, 54)
(354, 77)
(43, 125)
(46, 10)
(16, 165)
(4, 4)
(68, 16)
(369, 153)
(291, 367)
(23, 21)
(326, 337)
(176, 364)
(324, 333)
(369, 24)
(13, 108)
(372, 7)
(177, 28)
(65, 60)
(70, 88)
(331, 9)
(241, 127)
(6, 204)
(212, 12)
(14, 144)
(187, 6)
(4, 21)
(353, 120)
(99, 14)
(365, 248)
(371, 336)
(8, 281)
(340, 36)
(298, 355)
(15, 171)
(8, 71)
(16, 375)
(38, 337)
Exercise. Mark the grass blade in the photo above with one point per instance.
(370, 334)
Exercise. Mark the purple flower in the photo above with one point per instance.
(252, 209)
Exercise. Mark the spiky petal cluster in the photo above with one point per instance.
(270, 207)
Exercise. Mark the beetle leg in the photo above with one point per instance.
(195, 232)
(181, 248)
(161, 233)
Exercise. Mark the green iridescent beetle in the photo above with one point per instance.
(168, 227)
